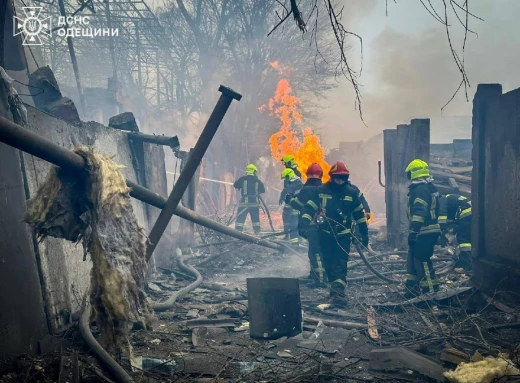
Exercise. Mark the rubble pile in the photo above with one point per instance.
(452, 175)
(379, 337)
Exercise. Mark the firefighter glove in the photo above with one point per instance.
(280, 202)
(364, 240)
(412, 238)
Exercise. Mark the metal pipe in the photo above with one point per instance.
(379, 166)
(99, 352)
(27, 141)
(172, 142)
(191, 166)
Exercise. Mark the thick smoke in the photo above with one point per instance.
(413, 74)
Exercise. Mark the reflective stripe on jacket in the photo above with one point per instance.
(423, 208)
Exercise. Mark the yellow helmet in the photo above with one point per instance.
(417, 169)
(288, 160)
(288, 174)
(251, 170)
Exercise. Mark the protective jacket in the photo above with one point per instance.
(338, 204)
(362, 198)
(250, 187)
(290, 187)
(423, 208)
(452, 207)
(305, 194)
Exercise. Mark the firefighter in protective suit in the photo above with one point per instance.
(366, 207)
(250, 187)
(314, 174)
(333, 207)
(455, 212)
(292, 185)
(423, 212)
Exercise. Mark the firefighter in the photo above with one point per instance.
(455, 212)
(423, 210)
(289, 163)
(292, 185)
(317, 274)
(333, 207)
(250, 187)
(366, 207)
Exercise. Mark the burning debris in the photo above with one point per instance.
(97, 210)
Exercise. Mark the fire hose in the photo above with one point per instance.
(266, 212)
(163, 306)
(104, 357)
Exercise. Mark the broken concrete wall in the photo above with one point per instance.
(22, 317)
(65, 276)
(401, 146)
(496, 188)
(361, 158)
(462, 148)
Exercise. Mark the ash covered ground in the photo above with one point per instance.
(205, 336)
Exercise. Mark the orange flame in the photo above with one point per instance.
(284, 105)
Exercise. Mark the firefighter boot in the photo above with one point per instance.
(426, 289)
(338, 300)
(412, 289)
(337, 294)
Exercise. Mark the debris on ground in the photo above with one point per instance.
(486, 371)
(206, 337)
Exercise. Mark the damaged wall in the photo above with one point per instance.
(65, 275)
(361, 158)
(401, 146)
(496, 188)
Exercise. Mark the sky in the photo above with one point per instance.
(408, 70)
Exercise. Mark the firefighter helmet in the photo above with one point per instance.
(417, 169)
(288, 161)
(339, 169)
(314, 170)
(251, 170)
(288, 174)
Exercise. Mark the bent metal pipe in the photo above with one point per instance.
(20, 138)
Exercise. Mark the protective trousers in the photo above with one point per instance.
(315, 257)
(243, 211)
(464, 240)
(335, 251)
(420, 273)
(290, 224)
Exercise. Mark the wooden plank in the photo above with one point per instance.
(399, 358)
(462, 170)
(454, 185)
(372, 325)
(335, 323)
(446, 176)
(454, 356)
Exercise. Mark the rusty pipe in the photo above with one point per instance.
(16, 136)
(172, 142)
(379, 170)
(191, 166)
